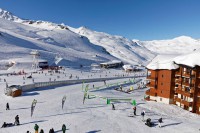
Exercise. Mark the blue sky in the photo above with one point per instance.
(134, 19)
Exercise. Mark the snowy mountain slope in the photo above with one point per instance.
(18, 39)
(179, 45)
(117, 46)
(44, 32)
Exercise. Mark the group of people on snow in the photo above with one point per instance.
(36, 128)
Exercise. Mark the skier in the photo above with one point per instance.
(17, 120)
(160, 121)
(36, 127)
(41, 131)
(143, 113)
(63, 128)
(113, 106)
(7, 106)
(120, 87)
(134, 110)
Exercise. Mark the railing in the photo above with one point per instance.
(185, 83)
(188, 94)
(182, 101)
(178, 73)
(65, 82)
(186, 103)
(177, 99)
(186, 74)
(151, 85)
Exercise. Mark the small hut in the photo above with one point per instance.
(13, 90)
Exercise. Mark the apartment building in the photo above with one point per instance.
(173, 80)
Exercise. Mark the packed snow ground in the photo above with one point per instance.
(95, 115)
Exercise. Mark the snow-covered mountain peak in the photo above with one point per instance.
(184, 38)
(9, 16)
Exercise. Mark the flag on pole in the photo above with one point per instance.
(63, 100)
(33, 106)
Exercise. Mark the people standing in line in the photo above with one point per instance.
(17, 120)
(41, 131)
(113, 106)
(63, 128)
(51, 130)
(7, 106)
(159, 122)
(143, 114)
(134, 110)
(36, 127)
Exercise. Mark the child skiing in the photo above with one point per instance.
(160, 121)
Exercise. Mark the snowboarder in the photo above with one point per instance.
(113, 106)
(134, 110)
(51, 130)
(160, 121)
(41, 131)
(63, 128)
(36, 127)
(17, 120)
(143, 114)
(7, 106)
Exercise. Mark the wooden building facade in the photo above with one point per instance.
(177, 86)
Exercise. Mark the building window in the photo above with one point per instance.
(161, 91)
(162, 75)
(161, 83)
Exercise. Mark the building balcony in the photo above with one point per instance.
(186, 103)
(151, 78)
(198, 103)
(176, 99)
(185, 83)
(177, 73)
(151, 85)
(185, 74)
(192, 90)
(151, 93)
(185, 93)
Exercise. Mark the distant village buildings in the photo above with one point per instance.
(175, 80)
(112, 64)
